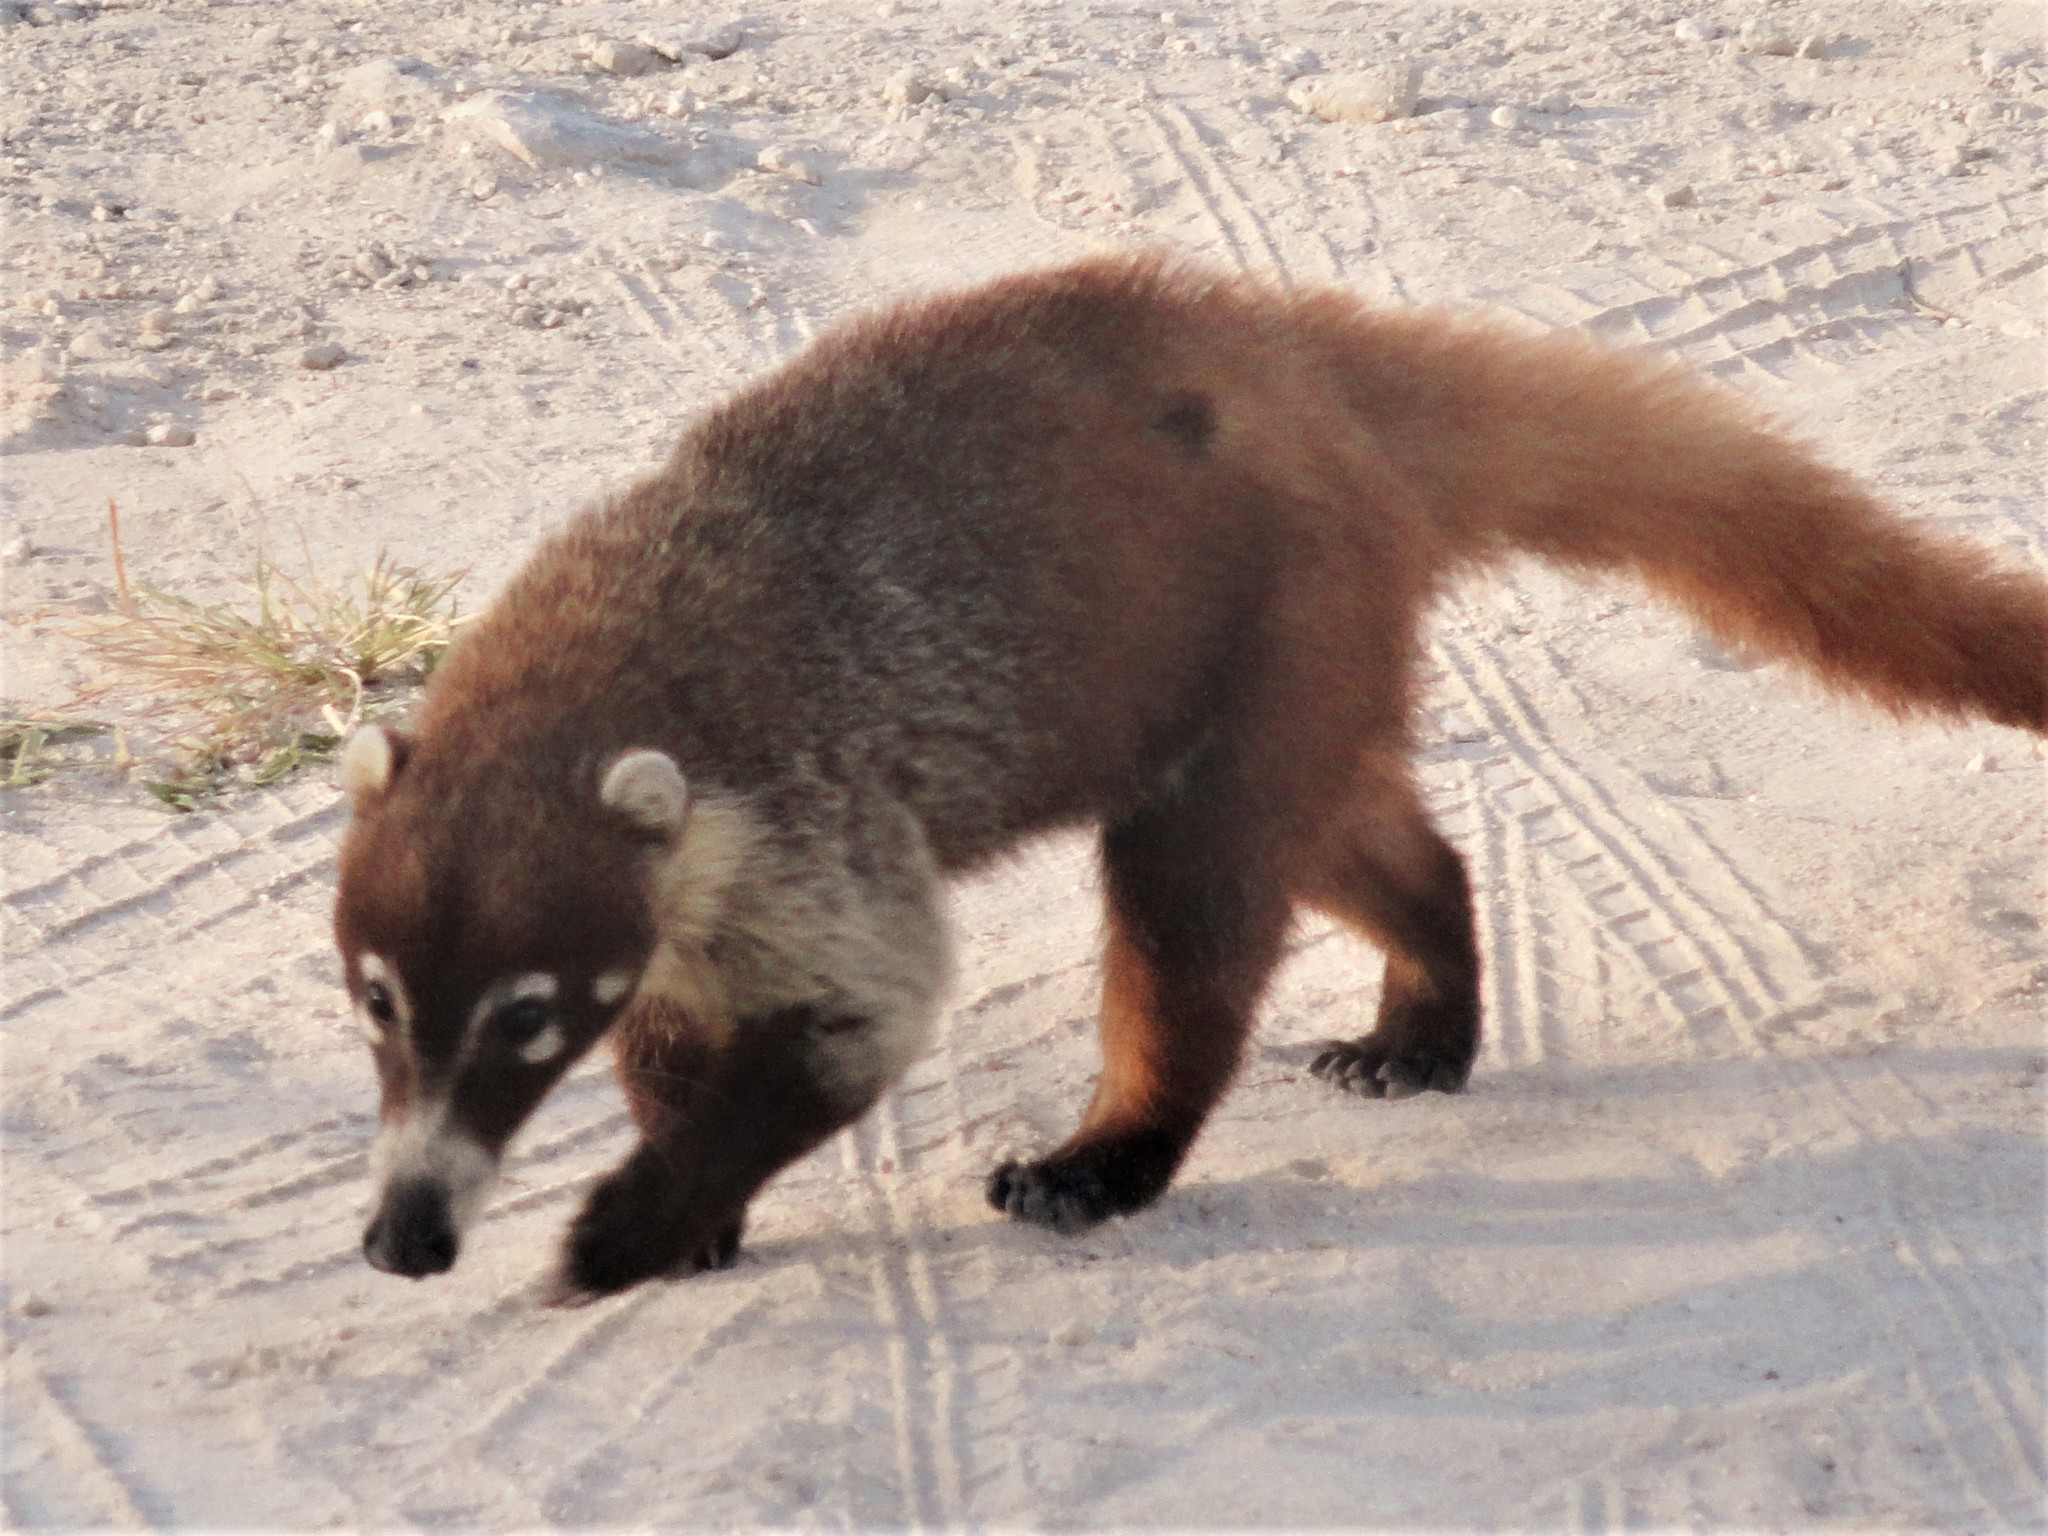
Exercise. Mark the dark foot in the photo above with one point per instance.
(629, 1231)
(1073, 1190)
(1377, 1071)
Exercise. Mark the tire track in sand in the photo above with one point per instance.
(1716, 981)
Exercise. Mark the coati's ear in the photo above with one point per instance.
(370, 762)
(647, 788)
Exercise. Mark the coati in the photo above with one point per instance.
(1125, 543)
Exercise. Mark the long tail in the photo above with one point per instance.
(1601, 460)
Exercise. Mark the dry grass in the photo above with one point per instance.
(251, 695)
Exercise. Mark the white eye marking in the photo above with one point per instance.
(544, 1046)
(612, 986)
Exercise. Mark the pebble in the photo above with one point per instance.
(1673, 195)
(168, 434)
(1761, 36)
(1071, 1333)
(33, 1305)
(1996, 61)
(1375, 95)
(322, 356)
(1696, 29)
(717, 42)
(1983, 762)
(268, 35)
(1812, 47)
(627, 58)
(1504, 116)
(375, 123)
(905, 88)
(780, 160)
(1294, 62)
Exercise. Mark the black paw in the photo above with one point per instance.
(1066, 1198)
(1078, 1187)
(720, 1252)
(627, 1233)
(1376, 1071)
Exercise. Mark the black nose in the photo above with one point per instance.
(413, 1232)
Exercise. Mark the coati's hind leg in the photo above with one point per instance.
(1390, 874)
(1196, 923)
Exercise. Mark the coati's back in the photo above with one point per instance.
(983, 553)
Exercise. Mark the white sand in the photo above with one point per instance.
(1741, 1221)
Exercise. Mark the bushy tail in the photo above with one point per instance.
(1598, 459)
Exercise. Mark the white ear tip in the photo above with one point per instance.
(647, 787)
(367, 762)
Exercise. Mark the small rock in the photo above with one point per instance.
(1670, 195)
(376, 122)
(1293, 63)
(905, 88)
(322, 356)
(159, 320)
(1761, 36)
(1983, 762)
(780, 160)
(1697, 29)
(16, 547)
(1996, 61)
(483, 187)
(627, 58)
(1556, 104)
(267, 36)
(717, 42)
(371, 264)
(1813, 46)
(155, 341)
(33, 1305)
(1504, 116)
(1071, 1333)
(679, 103)
(169, 434)
(1364, 96)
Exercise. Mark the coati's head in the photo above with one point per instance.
(495, 919)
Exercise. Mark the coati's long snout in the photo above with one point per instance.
(1125, 545)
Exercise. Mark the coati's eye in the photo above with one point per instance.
(520, 1023)
(379, 1005)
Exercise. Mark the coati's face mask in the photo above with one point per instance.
(479, 976)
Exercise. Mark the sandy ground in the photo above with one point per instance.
(1741, 1222)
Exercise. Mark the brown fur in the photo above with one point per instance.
(1123, 543)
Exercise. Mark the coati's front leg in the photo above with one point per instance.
(1194, 930)
(647, 1217)
(1391, 875)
